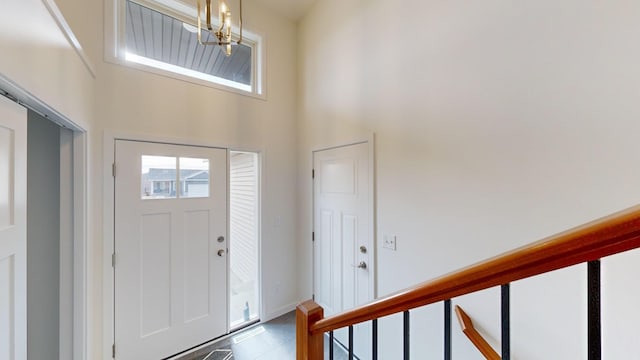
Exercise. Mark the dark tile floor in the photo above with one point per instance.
(273, 340)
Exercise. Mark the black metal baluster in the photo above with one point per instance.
(506, 322)
(350, 342)
(406, 335)
(447, 330)
(330, 345)
(593, 318)
(374, 340)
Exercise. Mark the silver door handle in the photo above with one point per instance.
(361, 265)
(220, 252)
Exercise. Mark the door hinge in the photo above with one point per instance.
(313, 297)
(113, 260)
(113, 169)
(113, 351)
(313, 173)
(313, 236)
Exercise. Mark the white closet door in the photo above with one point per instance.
(13, 231)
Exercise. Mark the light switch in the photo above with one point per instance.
(389, 242)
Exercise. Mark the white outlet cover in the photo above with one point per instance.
(389, 242)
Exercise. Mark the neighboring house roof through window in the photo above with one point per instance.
(170, 175)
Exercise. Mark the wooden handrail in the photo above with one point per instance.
(468, 329)
(607, 236)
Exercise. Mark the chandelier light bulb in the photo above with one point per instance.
(223, 32)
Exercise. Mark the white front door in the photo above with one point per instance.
(13, 231)
(170, 248)
(343, 246)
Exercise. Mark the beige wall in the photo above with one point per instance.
(125, 101)
(496, 124)
(37, 56)
(134, 102)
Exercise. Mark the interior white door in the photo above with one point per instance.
(13, 231)
(343, 246)
(170, 248)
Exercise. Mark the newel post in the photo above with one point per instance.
(308, 346)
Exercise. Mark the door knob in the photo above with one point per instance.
(361, 265)
(220, 252)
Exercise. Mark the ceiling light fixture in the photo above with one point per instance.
(223, 31)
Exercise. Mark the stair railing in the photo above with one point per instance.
(587, 243)
(466, 324)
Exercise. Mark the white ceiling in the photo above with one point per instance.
(293, 9)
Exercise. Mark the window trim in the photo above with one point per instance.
(115, 46)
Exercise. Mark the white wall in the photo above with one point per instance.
(496, 124)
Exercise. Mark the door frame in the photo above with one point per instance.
(74, 214)
(108, 200)
(370, 141)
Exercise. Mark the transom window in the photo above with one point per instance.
(163, 40)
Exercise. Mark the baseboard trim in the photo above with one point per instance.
(280, 311)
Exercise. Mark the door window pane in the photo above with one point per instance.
(158, 177)
(194, 177)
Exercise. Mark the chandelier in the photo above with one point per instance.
(223, 32)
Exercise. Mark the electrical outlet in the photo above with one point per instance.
(389, 242)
